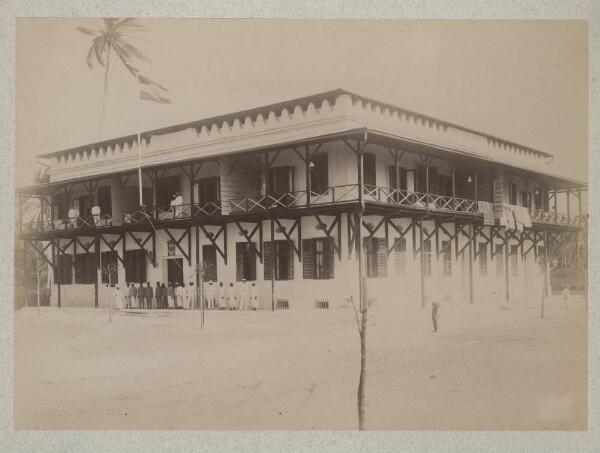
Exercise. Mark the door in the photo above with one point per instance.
(279, 183)
(175, 270)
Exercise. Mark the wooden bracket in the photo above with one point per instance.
(337, 246)
(248, 236)
(186, 233)
(213, 240)
(288, 235)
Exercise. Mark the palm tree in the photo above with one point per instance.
(112, 39)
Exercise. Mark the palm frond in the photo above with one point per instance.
(99, 46)
(125, 59)
(87, 31)
(90, 57)
(110, 22)
(132, 51)
(129, 22)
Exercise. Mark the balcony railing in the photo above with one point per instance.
(330, 196)
(541, 216)
(72, 223)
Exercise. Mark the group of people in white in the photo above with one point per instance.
(217, 296)
(74, 215)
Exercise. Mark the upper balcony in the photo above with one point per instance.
(238, 208)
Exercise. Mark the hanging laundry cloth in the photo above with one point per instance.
(487, 209)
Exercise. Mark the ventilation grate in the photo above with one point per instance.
(322, 304)
(282, 304)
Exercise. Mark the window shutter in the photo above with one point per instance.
(79, 265)
(381, 258)
(403, 179)
(307, 258)
(290, 261)
(400, 256)
(267, 257)
(393, 183)
(329, 259)
(420, 179)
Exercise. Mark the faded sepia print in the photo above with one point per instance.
(301, 225)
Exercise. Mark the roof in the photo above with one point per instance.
(303, 102)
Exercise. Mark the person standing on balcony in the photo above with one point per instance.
(96, 213)
(73, 215)
(178, 204)
(253, 297)
(173, 205)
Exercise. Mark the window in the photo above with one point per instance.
(499, 259)
(284, 260)
(165, 189)
(60, 206)
(394, 179)
(513, 194)
(400, 256)
(514, 260)
(445, 185)
(434, 179)
(63, 270)
(446, 258)
(371, 251)
(208, 190)
(369, 170)
(209, 257)
(483, 259)
(245, 258)
(538, 199)
(279, 180)
(105, 200)
(427, 257)
(109, 262)
(85, 268)
(135, 266)
(525, 199)
(319, 176)
(317, 259)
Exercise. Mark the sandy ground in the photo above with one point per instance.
(487, 369)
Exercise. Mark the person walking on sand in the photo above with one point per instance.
(253, 297)
(435, 308)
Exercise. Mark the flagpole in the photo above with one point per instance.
(137, 75)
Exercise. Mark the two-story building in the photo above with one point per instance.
(283, 195)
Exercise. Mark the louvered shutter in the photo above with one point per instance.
(400, 256)
(79, 265)
(290, 251)
(307, 258)
(328, 258)
(381, 258)
(239, 261)
(420, 179)
(393, 183)
(434, 180)
(267, 264)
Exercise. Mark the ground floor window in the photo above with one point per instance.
(85, 268)
(284, 260)
(427, 258)
(110, 266)
(483, 259)
(446, 258)
(245, 255)
(499, 259)
(63, 272)
(317, 259)
(209, 257)
(376, 253)
(135, 266)
(400, 256)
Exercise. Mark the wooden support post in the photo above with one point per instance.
(453, 183)
(59, 271)
(476, 181)
(470, 239)
(198, 292)
(579, 201)
(427, 185)
(422, 260)
(506, 261)
(307, 176)
(568, 192)
(555, 201)
(546, 266)
(97, 258)
(577, 278)
(272, 265)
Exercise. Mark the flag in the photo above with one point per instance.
(152, 91)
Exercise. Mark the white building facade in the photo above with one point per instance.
(283, 195)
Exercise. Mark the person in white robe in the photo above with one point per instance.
(118, 298)
(96, 213)
(253, 296)
(243, 296)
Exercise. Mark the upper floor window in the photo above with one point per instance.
(165, 189)
(208, 190)
(399, 180)
(245, 261)
(369, 170)
(319, 175)
(513, 193)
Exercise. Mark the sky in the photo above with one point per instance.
(524, 81)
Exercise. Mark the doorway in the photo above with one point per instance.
(175, 270)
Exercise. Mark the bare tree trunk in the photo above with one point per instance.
(37, 271)
(363, 358)
(105, 95)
